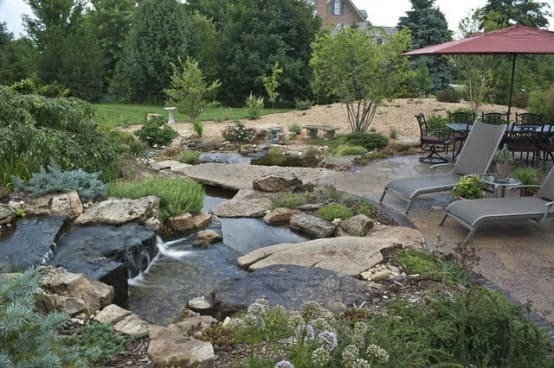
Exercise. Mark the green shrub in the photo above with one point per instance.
(415, 261)
(254, 107)
(295, 128)
(469, 187)
(393, 133)
(348, 150)
(29, 338)
(189, 156)
(448, 95)
(156, 132)
(542, 102)
(176, 195)
(369, 141)
(238, 133)
(98, 343)
(54, 180)
(290, 200)
(436, 124)
(332, 211)
(303, 104)
(198, 127)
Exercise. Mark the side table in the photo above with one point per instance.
(499, 185)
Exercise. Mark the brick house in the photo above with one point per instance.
(334, 12)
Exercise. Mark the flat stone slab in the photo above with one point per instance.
(237, 176)
(289, 286)
(123, 321)
(169, 165)
(246, 203)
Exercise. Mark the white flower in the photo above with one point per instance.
(320, 357)
(378, 352)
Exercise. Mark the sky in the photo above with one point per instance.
(380, 12)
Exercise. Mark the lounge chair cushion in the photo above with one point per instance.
(473, 211)
(411, 187)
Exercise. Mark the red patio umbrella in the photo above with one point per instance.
(513, 40)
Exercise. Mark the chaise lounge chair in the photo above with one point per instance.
(475, 158)
(471, 213)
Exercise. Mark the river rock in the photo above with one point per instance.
(289, 286)
(312, 225)
(6, 214)
(31, 244)
(116, 211)
(276, 182)
(187, 222)
(123, 321)
(206, 237)
(348, 255)
(195, 325)
(168, 347)
(109, 254)
(279, 215)
(246, 203)
(72, 293)
(66, 204)
(358, 225)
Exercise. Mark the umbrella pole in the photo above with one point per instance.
(511, 86)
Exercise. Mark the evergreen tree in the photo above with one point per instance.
(258, 33)
(428, 26)
(498, 14)
(158, 36)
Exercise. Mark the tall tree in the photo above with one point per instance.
(68, 52)
(498, 14)
(158, 36)
(259, 33)
(428, 26)
(16, 57)
(351, 66)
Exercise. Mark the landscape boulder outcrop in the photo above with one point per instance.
(312, 225)
(116, 211)
(276, 182)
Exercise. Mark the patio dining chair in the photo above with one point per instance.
(472, 213)
(475, 158)
(434, 143)
(524, 136)
(459, 137)
(494, 118)
(546, 143)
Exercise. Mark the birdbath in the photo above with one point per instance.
(171, 119)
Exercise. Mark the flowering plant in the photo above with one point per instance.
(239, 133)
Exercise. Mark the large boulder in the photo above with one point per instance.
(123, 321)
(406, 236)
(358, 225)
(348, 255)
(168, 347)
(116, 211)
(246, 203)
(279, 215)
(55, 204)
(276, 182)
(312, 225)
(31, 244)
(289, 286)
(72, 293)
(109, 254)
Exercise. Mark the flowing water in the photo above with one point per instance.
(181, 272)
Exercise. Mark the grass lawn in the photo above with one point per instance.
(121, 115)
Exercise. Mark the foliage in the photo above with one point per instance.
(348, 150)
(189, 90)
(351, 66)
(54, 180)
(254, 106)
(205, 43)
(542, 102)
(98, 343)
(370, 141)
(421, 262)
(29, 338)
(156, 133)
(393, 133)
(448, 95)
(274, 156)
(35, 129)
(271, 83)
(239, 133)
(469, 187)
(302, 104)
(17, 57)
(498, 14)
(176, 195)
(290, 200)
(436, 124)
(256, 35)
(158, 35)
(526, 175)
(198, 128)
(188, 156)
(332, 211)
(428, 26)
(295, 128)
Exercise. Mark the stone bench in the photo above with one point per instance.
(313, 130)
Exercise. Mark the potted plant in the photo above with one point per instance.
(503, 160)
(469, 187)
(527, 176)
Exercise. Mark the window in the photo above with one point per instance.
(337, 7)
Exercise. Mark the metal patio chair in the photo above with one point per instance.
(472, 213)
(432, 142)
(475, 158)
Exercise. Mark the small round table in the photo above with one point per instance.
(500, 184)
(171, 119)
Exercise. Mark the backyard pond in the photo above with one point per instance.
(181, 272)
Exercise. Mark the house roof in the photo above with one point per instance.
(360, 13)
